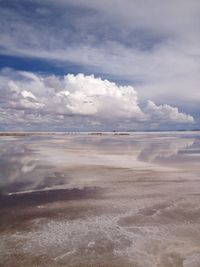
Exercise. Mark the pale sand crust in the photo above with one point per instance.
(120, 206)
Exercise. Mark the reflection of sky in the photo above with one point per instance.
(31, 163)
(163, 148)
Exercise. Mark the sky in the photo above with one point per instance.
(92, 65)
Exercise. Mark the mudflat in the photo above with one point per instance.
(100, 199)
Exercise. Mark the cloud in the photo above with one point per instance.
(152, 42)
(166, 114)
(27, 94)
(153, 45)
(77, 101)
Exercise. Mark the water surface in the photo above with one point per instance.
(100, 200)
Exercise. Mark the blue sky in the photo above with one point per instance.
(150, 47)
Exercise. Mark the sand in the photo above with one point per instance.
(100, 200)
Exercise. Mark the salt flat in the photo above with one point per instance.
(100, 200)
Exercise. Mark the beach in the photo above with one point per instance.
(100, 199)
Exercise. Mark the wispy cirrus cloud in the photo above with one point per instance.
(134, 39)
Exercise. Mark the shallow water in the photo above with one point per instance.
(100, 200)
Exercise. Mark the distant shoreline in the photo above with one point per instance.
(125, 133)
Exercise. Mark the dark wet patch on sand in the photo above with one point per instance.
(46, 196)
(18, 209)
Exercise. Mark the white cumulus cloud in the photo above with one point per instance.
(75, 100)
(93, 96)
(166, 114)
(26, 94)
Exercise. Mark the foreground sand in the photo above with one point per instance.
(89, 200)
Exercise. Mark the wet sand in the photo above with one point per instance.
(100, 200)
